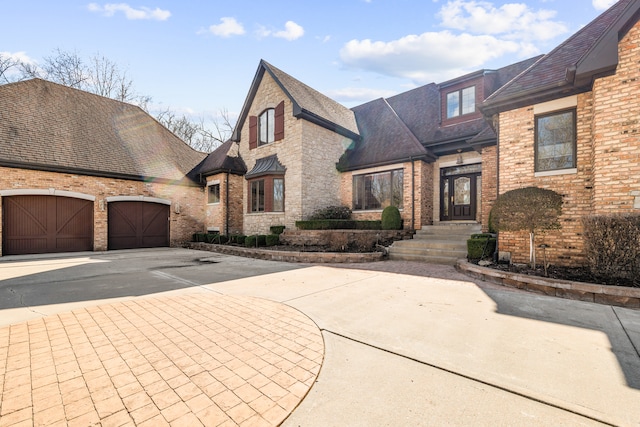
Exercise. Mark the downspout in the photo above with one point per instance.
(413, 194)
(227, 205)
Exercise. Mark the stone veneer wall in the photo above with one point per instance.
(423, 190)
(309, 154)
(489, 183)
(182, 225)
(607, 180)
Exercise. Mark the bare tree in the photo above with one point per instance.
(197, 133)
(7, 65)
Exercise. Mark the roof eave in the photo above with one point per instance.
(301, 113)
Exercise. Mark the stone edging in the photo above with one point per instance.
(288, 256)
(603, 294)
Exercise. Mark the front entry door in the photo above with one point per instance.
(458, 193)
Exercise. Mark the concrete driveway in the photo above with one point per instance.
(405, 343)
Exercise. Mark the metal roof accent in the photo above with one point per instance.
(266, 166)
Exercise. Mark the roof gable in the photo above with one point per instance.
(44, 125)
(220, 160)
(308, 103)
(572, 66)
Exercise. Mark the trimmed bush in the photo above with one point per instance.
(262, 239)
(240, 238)
(391, 219)
(199, 237)
(272, 239)
(338, 224)
(612, 246)
(331, 212)
(250, 241)
(277, 229)
(481, 246)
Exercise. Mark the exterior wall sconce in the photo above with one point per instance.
(101, 205)
(459, 160)
(176, 208)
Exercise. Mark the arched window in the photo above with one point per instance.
(266, 127)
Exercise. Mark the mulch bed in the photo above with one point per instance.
(576, 274)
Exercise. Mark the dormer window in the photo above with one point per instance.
(266, 126)
(461, 102)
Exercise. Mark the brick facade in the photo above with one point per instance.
(187, 207)
(216, 214)
(607, 177)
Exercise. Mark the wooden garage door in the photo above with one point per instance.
(138, 225)
(45, 224)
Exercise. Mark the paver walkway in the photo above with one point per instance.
(181, 360)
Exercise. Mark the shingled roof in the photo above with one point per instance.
(572, 66)
(47, 126)
(308, 103)
(219, 160)
(384, 139)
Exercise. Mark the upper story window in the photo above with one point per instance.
(555, 141)
(378, 190)
(266, 126)
(461, 102)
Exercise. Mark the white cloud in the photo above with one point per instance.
(292, 31)
(476, 33)
(110, 9)
(351, 94)
(512, 20)
(427, 57)
(19, 57)
(227, 28)
(603, 4)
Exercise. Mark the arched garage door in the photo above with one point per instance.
(134, 224)
(35, 224)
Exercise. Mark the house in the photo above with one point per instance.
(82, 172)
(570, 123)
(294, 151)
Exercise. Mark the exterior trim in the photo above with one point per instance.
(46, 192)
(137, 199)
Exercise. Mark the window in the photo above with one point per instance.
(213, 194)
(266, 125)
(257, 196)
(555, 136)
(378, 190)
(266, 195)
(461, 102)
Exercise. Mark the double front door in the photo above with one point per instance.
(459, 192)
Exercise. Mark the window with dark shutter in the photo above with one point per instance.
(279, 119)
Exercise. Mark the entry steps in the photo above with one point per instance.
(436, 244)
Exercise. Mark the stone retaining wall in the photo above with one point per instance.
(603, 294)
(289, 256)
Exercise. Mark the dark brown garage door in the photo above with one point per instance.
(44, 224)
(138, 225)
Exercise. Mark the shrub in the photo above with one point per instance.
(331, 212)
(277, 229)
(391, 219)
(612, 246)
(240, 238)
(272, 239)
(262, 239)
(529, 209)
(199, 237)
(481, 246)
(250, 241)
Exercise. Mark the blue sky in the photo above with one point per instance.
(200, 56)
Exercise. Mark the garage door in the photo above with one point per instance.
(45, 224)
(138, 225)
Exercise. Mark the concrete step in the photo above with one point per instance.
(437, 244)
